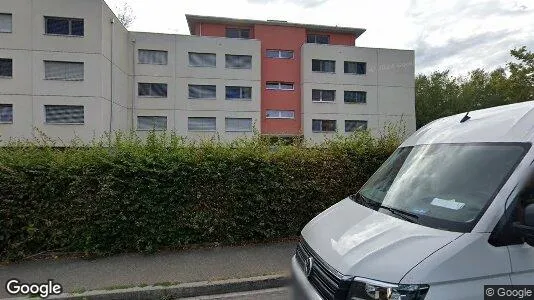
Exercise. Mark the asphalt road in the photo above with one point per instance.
(270, 294)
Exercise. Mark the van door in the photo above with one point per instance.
(522, 254)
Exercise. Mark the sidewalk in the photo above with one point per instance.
(132, 270)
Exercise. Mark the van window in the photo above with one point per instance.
(448, 186)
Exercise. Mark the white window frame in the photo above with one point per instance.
(63, 123)
(279, 54)
(10, 16)
(240, 30)
(153, 51)
(154, 128)
(12, 113)
(279, 116)
(202, 130)
(201, 66)
(280, 84)
(238, 130)
(66, 63)
(321, 98)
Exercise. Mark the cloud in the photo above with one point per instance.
(302, 3)
(463, 35)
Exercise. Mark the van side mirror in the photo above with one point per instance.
(527, 230)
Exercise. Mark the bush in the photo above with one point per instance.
(145, 195)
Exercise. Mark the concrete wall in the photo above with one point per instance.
(178, 74)
(389, 83)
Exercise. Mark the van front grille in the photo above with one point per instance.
(328, 282)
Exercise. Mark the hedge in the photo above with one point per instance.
(130, 194)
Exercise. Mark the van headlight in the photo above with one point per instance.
(365, 289)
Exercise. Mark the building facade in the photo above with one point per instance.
(69, 69)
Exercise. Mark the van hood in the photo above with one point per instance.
(358, 241)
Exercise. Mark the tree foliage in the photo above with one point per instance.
(440, 94)
(125, 14)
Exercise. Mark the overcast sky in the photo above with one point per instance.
(459, 35)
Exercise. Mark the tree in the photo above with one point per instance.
(125, 14)
(522, 74)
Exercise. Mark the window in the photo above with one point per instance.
(280, 114)
(202, 91)
(64, 26)
(238, 61)
(286, 54)
(153, 57)
(323, 125)
(151, 123)
(355, 97)
(355, 125)
(6, 113)
(6, 23)
(201, 124)
(64, 114)
(6, 67)
(275, 85)
(63, 70)
(328, 66)
(318, 39)
(202, 59)
(353, 67)
(156, 90)
(238, 33)
(323, 95)
(238, 124)
(238, 92)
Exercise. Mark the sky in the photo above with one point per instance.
(455, 35)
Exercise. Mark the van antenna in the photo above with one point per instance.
(466, 117)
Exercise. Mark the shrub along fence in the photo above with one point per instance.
(145, 195)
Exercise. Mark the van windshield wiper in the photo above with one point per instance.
(407, 216)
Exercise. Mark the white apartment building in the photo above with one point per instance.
(69, 69)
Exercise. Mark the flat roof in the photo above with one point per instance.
(192, 19)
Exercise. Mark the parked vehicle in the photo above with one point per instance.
(450, 211)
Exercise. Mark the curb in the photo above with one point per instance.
(185, 290)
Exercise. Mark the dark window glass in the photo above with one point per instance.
(158, 90)
(318, 39)
(238, 33)
(238, 61)
(352, 67)
(202, 91)
(324, 95)
(323, 125)
(6, 67)
(238, 92)
(6, 113)
(355, 125)
(323, 65)
(355, 97)
(64, 26)
(151, 123)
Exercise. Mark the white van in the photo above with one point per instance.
(451, 210)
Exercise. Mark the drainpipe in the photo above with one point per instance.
(133, 85)
(112, 81)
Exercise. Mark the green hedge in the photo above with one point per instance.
(145, 195)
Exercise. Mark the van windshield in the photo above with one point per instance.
(446, 186)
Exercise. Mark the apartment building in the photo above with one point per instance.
(69, 69)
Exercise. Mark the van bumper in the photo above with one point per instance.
(302, 289)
